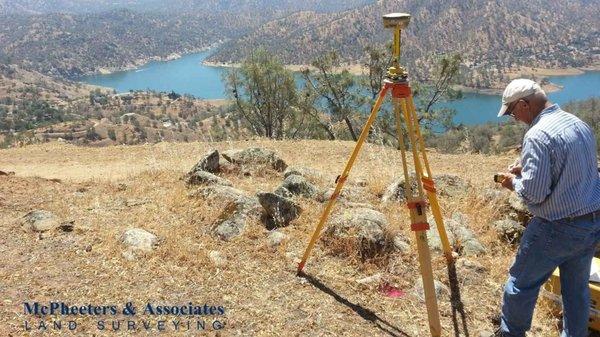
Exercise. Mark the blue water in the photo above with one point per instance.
(187, 75)
(479, 108)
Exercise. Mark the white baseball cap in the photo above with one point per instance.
(517, 89)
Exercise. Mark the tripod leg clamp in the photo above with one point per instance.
(428, 185)
(416, 204)
(420, 226)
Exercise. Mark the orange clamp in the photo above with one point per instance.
(420, 226)
(401, 90)
(428, 184)
(415, 204)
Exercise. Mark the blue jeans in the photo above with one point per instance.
(568, 245)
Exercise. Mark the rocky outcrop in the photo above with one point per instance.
(458, 233)
(255, 156)
(205, 178)
(139, 239)
(208, 163)
(509, 230)
(279, 211)
(361, 227)
(298, 185)
(395, 192)
(40, 221)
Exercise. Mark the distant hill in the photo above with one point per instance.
(69, 38)
(244, 6)
(64, 6)
(69, 45)
(492, 36)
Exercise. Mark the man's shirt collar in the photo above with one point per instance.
(554, 107)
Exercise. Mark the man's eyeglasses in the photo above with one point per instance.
(509, 110)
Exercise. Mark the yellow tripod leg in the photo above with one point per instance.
(430, 187)
(419, 225)
(343, 177)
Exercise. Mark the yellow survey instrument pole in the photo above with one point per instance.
(396, 82)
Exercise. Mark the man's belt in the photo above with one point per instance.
(590, 216)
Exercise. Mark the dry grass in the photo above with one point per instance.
(107, 190)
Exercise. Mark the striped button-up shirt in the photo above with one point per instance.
(560, 177)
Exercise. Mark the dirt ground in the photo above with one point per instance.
(105, 191)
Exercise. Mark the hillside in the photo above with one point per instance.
(70, 38)
(63, 6)
(69, 45)
(238, 7)
(97, 194)
(492, 37)
(37, 108)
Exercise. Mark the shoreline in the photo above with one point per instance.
(137, 64)
(357, 69)
(539, 73)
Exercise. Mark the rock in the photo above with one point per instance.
(458, 233)
(7, 173)
(231, 227)
(218, 259)
(366, 227)
(370, 279)
(470, 272)
(284, 192)
(205, 178)
(518, 210)
(275, 238)
(509, 230)
(450, 185)
(441, 290)
(298, 185)
(395, 190)
(255, 156)
(465, 236)
(139, 239)
(232, 220)
(208, 163)
(225, 195)
(40, 221)
(517, 204)
(308, 173)
(280, 211)
(401, 243)
(463, 264)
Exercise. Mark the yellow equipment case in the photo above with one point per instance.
(552, 290)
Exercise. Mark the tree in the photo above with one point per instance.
(337, 88)
(426, 95)
(264, 93)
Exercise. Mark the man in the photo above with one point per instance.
(557, 178)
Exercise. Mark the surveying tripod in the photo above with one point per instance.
(396, 81)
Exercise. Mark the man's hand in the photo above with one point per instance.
(508, 181)
(515, 168)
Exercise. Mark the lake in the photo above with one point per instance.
(187, 75)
